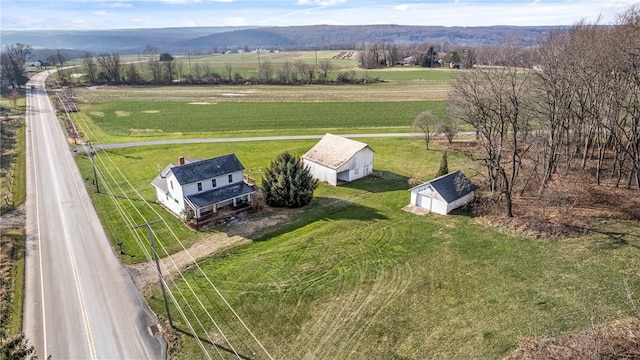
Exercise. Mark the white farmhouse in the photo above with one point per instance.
(443, 194)
(336, 159)
(204, 188)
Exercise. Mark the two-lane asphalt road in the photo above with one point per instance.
(80, 303)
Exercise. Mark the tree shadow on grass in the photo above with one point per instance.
(327, 209)
(618, 239)
(114, 152)
(379, 181)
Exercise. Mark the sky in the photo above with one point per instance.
(128, 14)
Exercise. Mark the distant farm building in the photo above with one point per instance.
(443, 194)
(409, 61)
(336, 159)
(204, 189)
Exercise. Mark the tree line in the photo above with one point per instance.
(571, 106)
(382, 54)
(158, 68)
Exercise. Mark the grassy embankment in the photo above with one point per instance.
(353, 276)
(12, 280)
(12, 241)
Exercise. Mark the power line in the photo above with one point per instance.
(155, 256)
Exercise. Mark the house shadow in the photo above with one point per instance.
(379, 181)
(324, 209)
(233, 352)
(463, 211)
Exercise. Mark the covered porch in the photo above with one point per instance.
(214, 204)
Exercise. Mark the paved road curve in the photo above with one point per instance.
(79, 301)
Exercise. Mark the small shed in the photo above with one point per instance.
(336, 159)
(443, 194)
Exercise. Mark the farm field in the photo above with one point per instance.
(113, 115)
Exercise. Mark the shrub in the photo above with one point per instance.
(444, 166)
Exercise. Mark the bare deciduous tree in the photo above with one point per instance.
(325, 66)
(424, 123)
(110, 64)
(89, 63)
(306, 70)
(153, 63)
(495, 100)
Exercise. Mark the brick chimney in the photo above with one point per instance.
(181, 160)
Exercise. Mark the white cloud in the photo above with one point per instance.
(180, 1)
(320, 2)
(404, 7)
(102, 13)
(120, 5)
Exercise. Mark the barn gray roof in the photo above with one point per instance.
(206, 169)
(453, 185)
(333, 151)
(220, 194)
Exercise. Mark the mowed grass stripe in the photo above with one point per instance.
(125, 118)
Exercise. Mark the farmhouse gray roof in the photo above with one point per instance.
(220, 194)
(452, 186)
(161, 180)
(333, 151)
(206, 169)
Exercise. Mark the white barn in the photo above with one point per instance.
(443, 194)
(336, 159)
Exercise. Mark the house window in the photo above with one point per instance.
(199, 186)
(213, 183)
(230, 178)
(356, 171)
(171, 183)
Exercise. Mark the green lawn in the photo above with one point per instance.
(354, 276)
(142, 164)
(362, 279)
(368, 281)
(20, 104)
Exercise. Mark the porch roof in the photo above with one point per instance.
(218, 195)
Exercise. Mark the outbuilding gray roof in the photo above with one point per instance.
(220, 194)
(451, 186)
(206, 169)
(333, 151)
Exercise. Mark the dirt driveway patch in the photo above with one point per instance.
(238, 233)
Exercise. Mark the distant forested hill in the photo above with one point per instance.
(204, 39)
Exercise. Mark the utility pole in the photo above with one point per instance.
(92, 153)
(155, 256)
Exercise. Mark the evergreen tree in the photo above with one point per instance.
(444, 166)
(288, 183)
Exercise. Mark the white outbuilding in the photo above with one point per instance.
(336, 159)
(443, 194)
